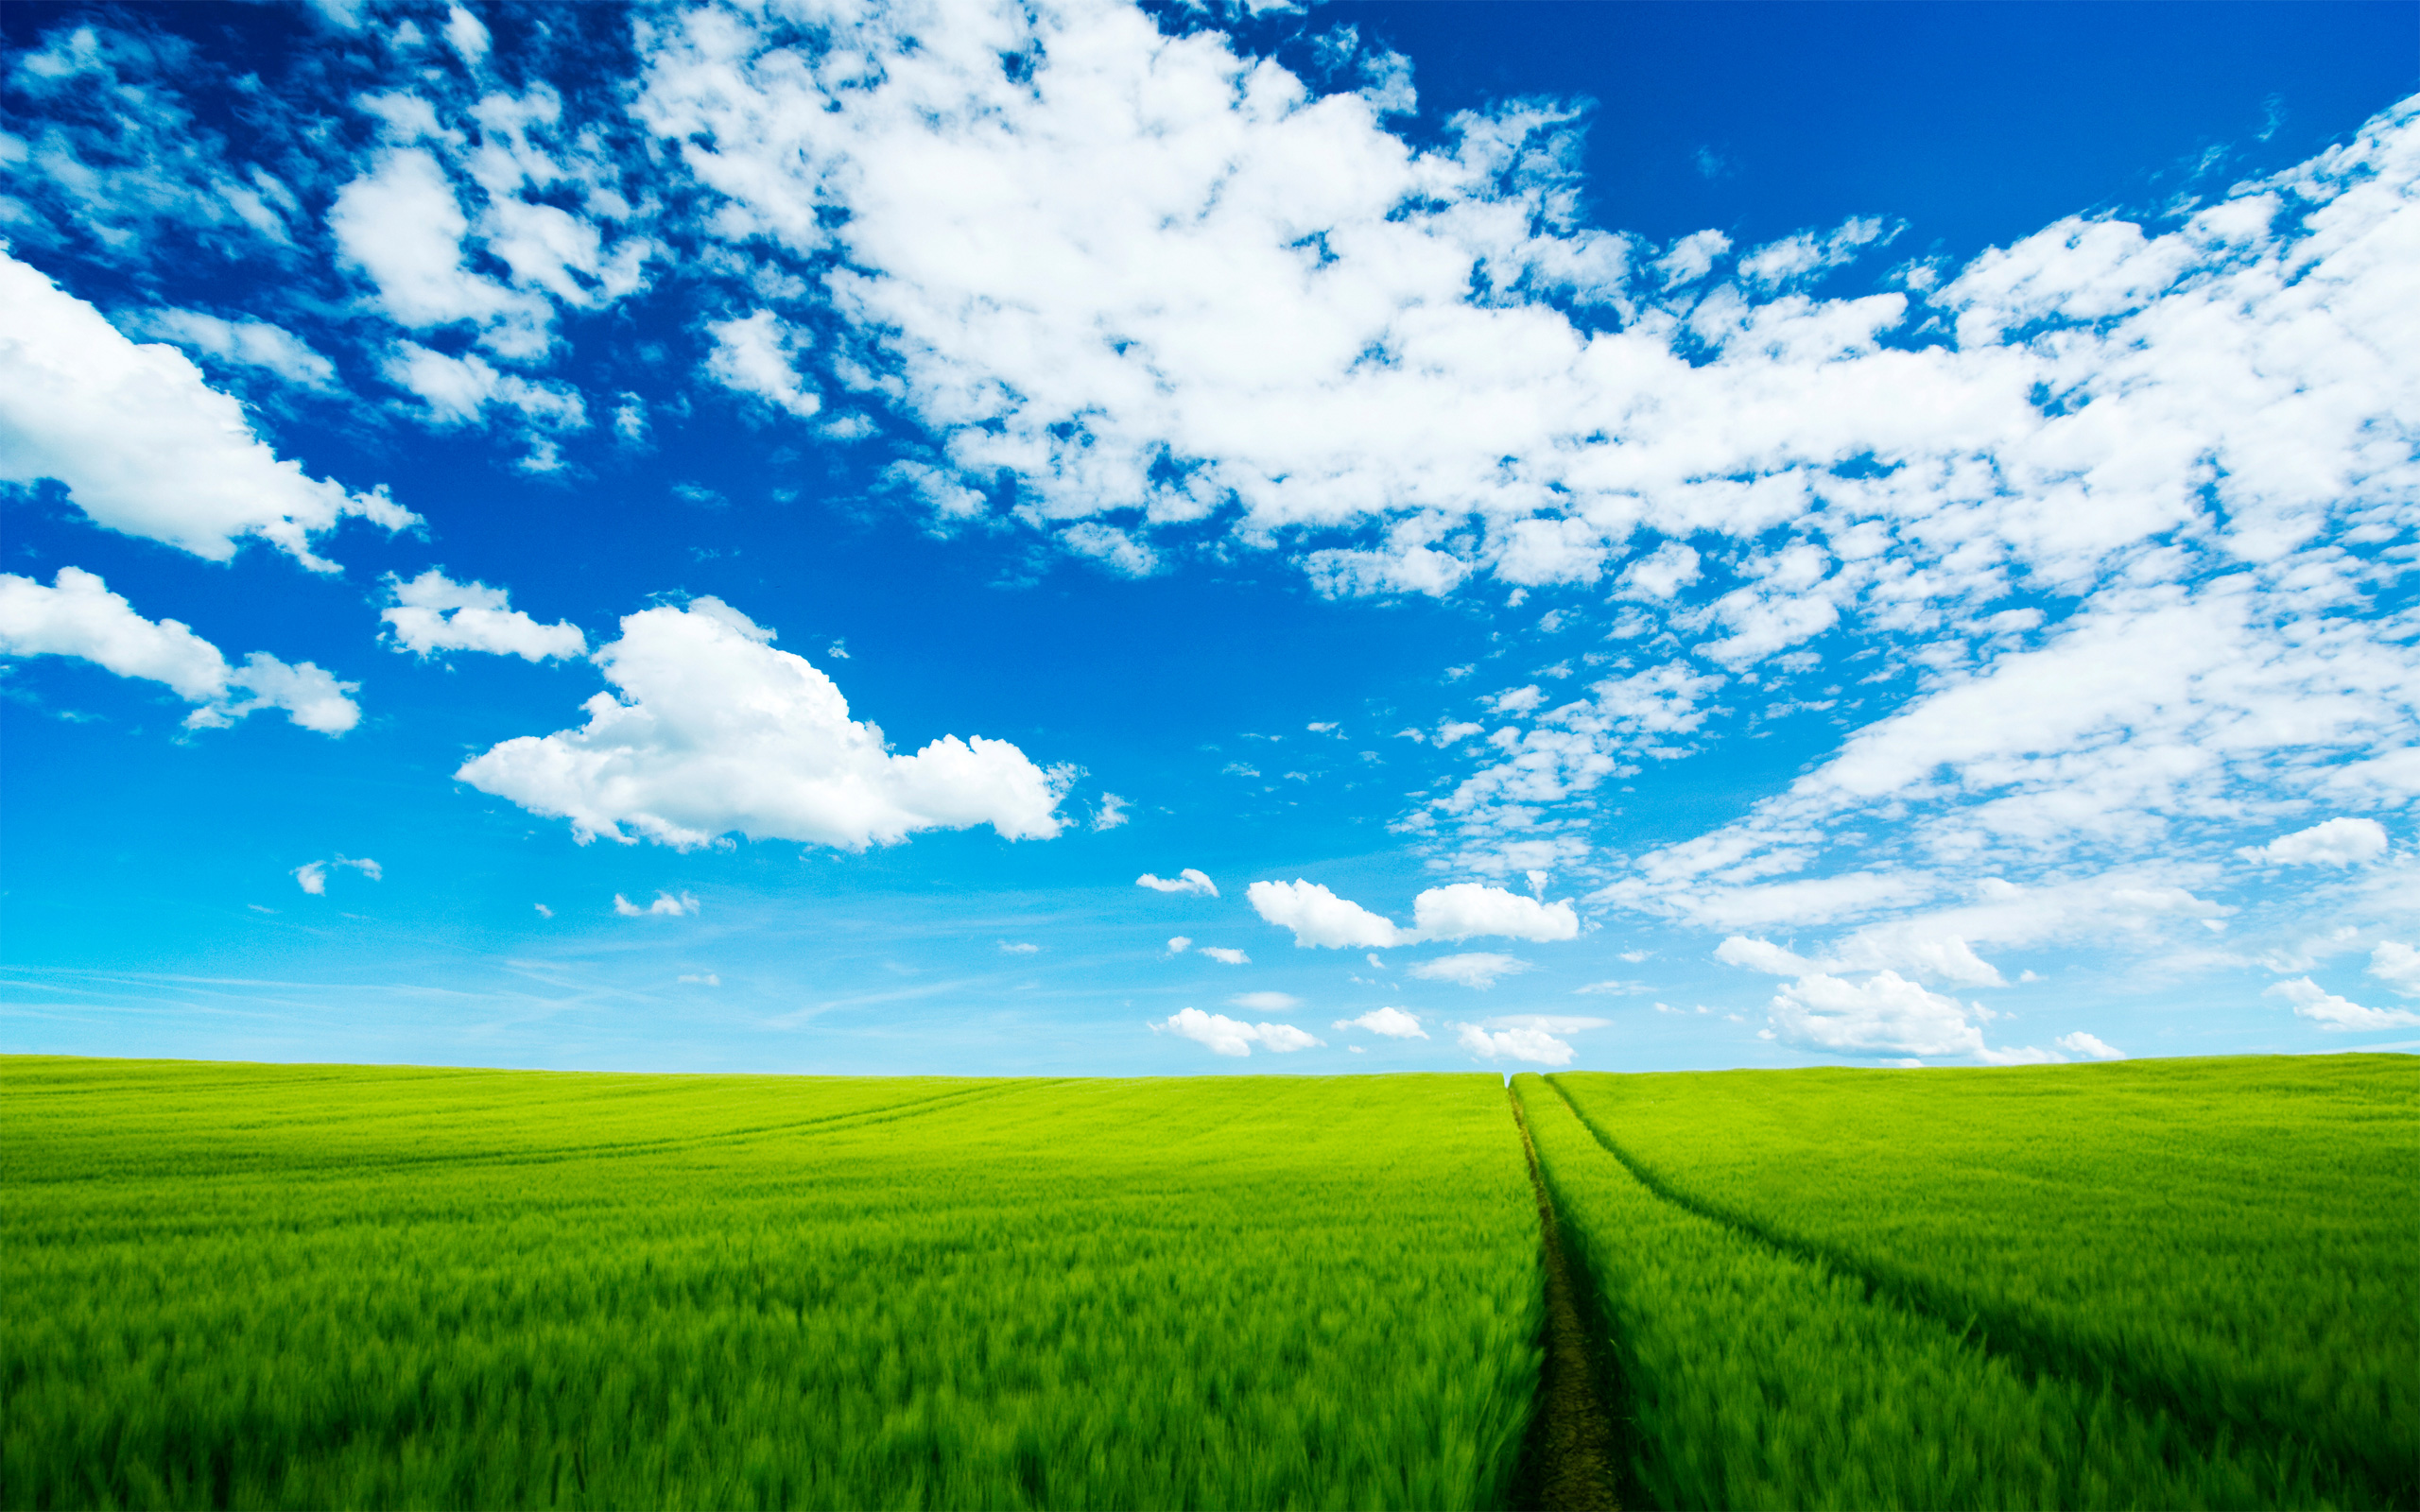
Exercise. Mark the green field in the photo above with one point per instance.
(2178, 1283)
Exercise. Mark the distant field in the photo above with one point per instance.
(2178, 1284)
(318, 1286)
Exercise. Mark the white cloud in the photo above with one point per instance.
(404, 226)
(1464, 909)
(247, 342)
(1189, 882)
(2090, 1046)
(313, 875)
(701, 979)
(1111, 814)
(715, 732)
(1884, 1015)
(670, 905)
(1264, 1002)
(1533, 1045)
(1318, 917)
(752, 356)
(432, 614)
(1179, 944)
(1019, 948)
(2397, 965)
(1476, 969)
(543, 912)
(1227, 1037)
(2333, 843)
(78, 616)
(1761, 955)
(1392, 1022)
(2334, 1014)
(143, 442)
(1226, 955)
(460, 390)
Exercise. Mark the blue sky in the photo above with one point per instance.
(1623, 536)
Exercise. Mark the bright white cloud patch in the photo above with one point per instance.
(1229, 1036)
(1189, 881)
(1535, 1046)
(1226, 955)
(247, 342)
(752, 356)
(431, 613)
(2333, 843)
(715, 732)
(143, 442)
(1469, 908)
(78, 616)
(2397, 965)
(2090, 1046)
(1884, 1015)
(1318, 917)
(1394, 1024)
(1474, 969)
(2335, 1014)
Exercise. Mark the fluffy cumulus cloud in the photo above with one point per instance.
(78, 616)
(1191, 882)
(1536, 1047)
(2397, 965)
(666, 905)
(2331, 843)
(1230, 1036)
(1886, 1014)
(1475, 969)
(2092, 1047)
(2335, 1014)
(1318, 917)
(432, 614)
(713, 731)
(1459, 911)
(1392, 1022)
(141, 440)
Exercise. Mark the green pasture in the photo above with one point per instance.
(324, 1287)
(2166, 1283)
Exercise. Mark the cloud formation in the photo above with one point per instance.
(2331, 843)
(1229, 1036)
(1189, 882)
(1535, 1046)
(2337, 1015)
(432, 614)
(712, 731)
(1394, 1022)
(142, 441)
(78, 616)
(1474, 969)
(1459, 911)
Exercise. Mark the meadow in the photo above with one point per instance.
(318, 1287)
(2181, 1283)
(2236, 1241)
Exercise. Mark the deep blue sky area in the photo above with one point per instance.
(1638, 658)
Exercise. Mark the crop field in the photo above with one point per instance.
(318, 1287)
(2180, 1283)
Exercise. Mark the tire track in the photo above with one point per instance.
(1572, 1453)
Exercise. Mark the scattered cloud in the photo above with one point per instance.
(713, 730)
(313, 875)
(1189, 882)
(2334, 1014)
(78, 616)
(1111, 814)
(1226, 955)
(701, 979)
(144, 443)
(432, 614)
(2332, 843)
(2089, 1046)
(1318, 917)
(1476, 969)
(1264, 1002)
(1394, 1024)
(1179, 944)
(1018, 947)
(1535, 1046)
(1227, 1037)
(672, 905)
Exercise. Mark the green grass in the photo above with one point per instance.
(2239, 1238)
(315, 1286)
(1757, 1379)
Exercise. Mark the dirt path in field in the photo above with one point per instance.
(1569, 1461)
